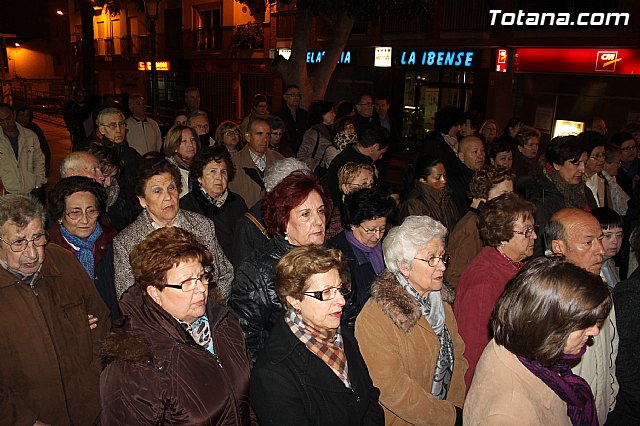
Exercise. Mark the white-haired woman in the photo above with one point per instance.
(408, 336)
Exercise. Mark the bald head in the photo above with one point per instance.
(576, 235)
(471, 152)
(81, 163)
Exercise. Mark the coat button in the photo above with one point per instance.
(357, 398)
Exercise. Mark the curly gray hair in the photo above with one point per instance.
(20, 210)
(280, 170)
(403, 242)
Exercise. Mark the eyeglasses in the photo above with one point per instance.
(114, 126)
(433, 260)
(91, 213)
(366, 104)
(373, 230)
(21, 245)
(528, 232)
(202, 126)
(231, 133)
(597, 157)
(190, 284)
(329, 293)
(628, 148)
(361, 185)
(294, 95)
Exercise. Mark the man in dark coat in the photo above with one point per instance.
(294, 117)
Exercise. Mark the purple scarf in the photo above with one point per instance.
(374, 254)
(571, 388)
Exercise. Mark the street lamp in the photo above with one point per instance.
(151, 9)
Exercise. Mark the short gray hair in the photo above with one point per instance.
(73, 162)
(108, 111)
(20, 210)
(196, 114)
(280, 170)
(403, 242)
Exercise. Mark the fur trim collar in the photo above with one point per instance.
(395, 302)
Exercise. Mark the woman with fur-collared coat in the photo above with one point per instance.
(408, 336)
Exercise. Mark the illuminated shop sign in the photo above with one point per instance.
(315, 56)
(437, 58)
(501, 60)
(585, 61)
(160, 66)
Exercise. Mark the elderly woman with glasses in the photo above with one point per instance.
(408, 335)
(180, 358)
(541, 325)
(311, 371)
(365, 215)
(507, 230)
(228, 135)
(75, 204)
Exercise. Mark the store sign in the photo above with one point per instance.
(315, 56)
(502, 55)
(584, 61)
(382, 57)
(437, 58)
(160, 66)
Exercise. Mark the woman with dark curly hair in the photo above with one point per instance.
(507, 230)
(295, 213)
(75, 204)
(179, 358)
(157, 187)
(211, 171)
(541, 325)
(364, 220)
(464, 242)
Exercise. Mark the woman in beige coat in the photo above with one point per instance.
(541, 325)
(408, 336)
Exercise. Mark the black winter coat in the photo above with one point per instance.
(224, 218)
(247, 237)
(159, 375)
(254, 300)
(292, 386)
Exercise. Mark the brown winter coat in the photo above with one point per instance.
(243, 184)
(504, 392)
(50, 362)
(159, 375)
(401, 349)
(427, 201)
(463, 245)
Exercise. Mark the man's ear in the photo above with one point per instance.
(558, 247)
(461, 156)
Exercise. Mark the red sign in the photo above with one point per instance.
(583, 61)
(501, 60)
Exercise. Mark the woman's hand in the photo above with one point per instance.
(93, 323)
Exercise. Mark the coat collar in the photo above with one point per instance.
(395, 302)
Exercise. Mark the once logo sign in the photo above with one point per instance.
(606, 60)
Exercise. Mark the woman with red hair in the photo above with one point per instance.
(295, 214)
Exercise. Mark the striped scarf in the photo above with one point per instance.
(325, 344)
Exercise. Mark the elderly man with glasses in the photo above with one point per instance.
(295, 117)
(50, 356)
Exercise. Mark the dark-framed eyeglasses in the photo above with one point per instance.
(330, 293)
(231, 133)
(91, 213)
(628, 148)
(433, 260)
(528, 232)
(21, 245)
(372, 231)
(190, 284)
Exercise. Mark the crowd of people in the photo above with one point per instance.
(265, 272)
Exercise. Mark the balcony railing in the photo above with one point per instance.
(208, 38)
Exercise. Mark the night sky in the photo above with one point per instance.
(28, 18)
